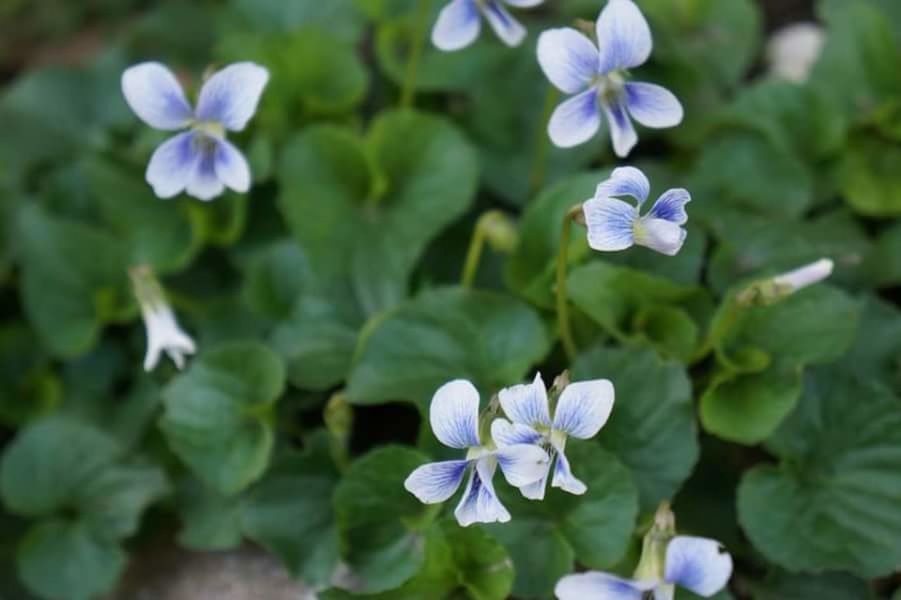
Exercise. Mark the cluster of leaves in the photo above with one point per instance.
(332, 288)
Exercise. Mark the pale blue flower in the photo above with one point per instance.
(459, 22)
(582, 409)
(200, 160)
(700, 565)
(597, 79)
(616, 225)
(454, 416)
(163, 331)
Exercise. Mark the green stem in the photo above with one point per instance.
(539, 157)
(566, 334)
(474, 253)
(417, 41)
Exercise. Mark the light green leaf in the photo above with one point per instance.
(869, 176)
(831, 502)
(275, 277)
(219, 414)
(828, 586)
(444, 334)
(342, 18)
(652, 428)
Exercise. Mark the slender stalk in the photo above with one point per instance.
(539, 156)
(566, 334)
(495, 228)
(417, 41)
(473, 255)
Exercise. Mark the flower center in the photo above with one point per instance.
(213, 129)
(610, 85)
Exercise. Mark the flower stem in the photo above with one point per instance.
(539, 157)
(495, 228)
(566, 334)
(417, 41)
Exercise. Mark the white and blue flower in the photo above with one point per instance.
(614, 224)
(200, 160)
(454, 416)
(582, 409)
(597, 78)
(163, 331)
(460, 22)
(700, 565)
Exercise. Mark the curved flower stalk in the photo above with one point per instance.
(700, 565)
(460, 22)
(200, 160)
(454, 417)
(614, 224)
(596, 76)
(163, 332)
(582, 409)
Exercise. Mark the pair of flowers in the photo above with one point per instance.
(593, 72)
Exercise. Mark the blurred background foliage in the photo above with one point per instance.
(327, 307)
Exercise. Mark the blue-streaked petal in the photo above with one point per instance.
(624, 37)
(576, 120)
(663, 236)
(479, 503)
(505, 433)
(568, 59)
(523, 3)
(172, 165)
(622, 132)
(698, 564)
(508, 29)
(231, 167)
(523, 464)
(230, 97)
(610, 223)
(564, 478)
(436, 482)
(670, 206)
(584, 407)
(204, 184)
(457, 26)
(155, 95)
(593, 585)
(535, 491)
(625, 181)
(454, 414)
(526, 403)
(653, 105)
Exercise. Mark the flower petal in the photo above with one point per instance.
(698, 564)
(231, 96)
(576, 120)
(457, 26)
(164, 335)
(523, 464)
(526, 403)
(625, 181)
(653, 105)
(436, 482)
(600, 586)
(231, 167)
(504, 433)
(479, 503)
(564, 478)
(535, 491)
(568, 59)
(508, 29)
(172, 165)
(454, 414)
(622, 132)
(155, 95)
(204, 184)
(661, 235)
(584, 407)
(523, 3)
(624, 37)
(670, 206)
(610, 223)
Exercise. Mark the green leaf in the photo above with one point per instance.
(313, 73)
(219, 414)
(830, 503)
(444, 334)
(883, 263)
(652, 428)
(364, 210)
(596, 527)
(63, 560)
(210, 520)
(640, 309)
(28, 386)
(113, 500)
(828, 586)
(875, 354)
(275, 277)
(341, 18)
(869, 176)
(380, 524)
(74, 280)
